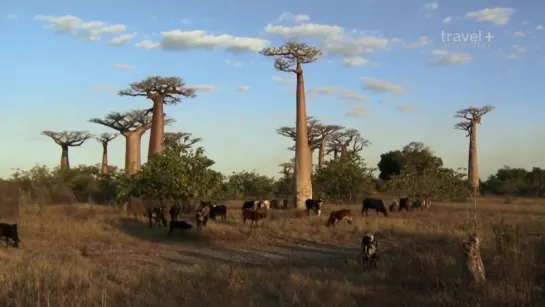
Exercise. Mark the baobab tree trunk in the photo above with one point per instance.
(157, 128)
(321, 153)
(105, 158)
(311, 161)
(303, 183)
(473, 167)
(132, 152)
(65, 163)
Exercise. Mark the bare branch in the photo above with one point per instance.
(290, 56)
(170, 89)
(474, 114)
(68, 138)
(106, 138)
(465, 126)
(128, 121)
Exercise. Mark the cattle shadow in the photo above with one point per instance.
(140, 230)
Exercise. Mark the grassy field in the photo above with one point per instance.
(89, 255)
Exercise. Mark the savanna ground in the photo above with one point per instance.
(89, 255)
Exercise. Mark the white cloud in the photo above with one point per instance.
(355, 61)
(284, 16)
(233, 63)
(283, 79)
(447, 20)
(204, 88)
(422, 41)
(123, 66)
(103, 87)
(301, 18)
(147, 44)
(431, 6)
(519, 34)
(516, 52)
(305, 30)
(342, 93)
(450, 58)
(381, 86)
(243, 88)
(439, 52)
(540, 27)
(185, 21)
(405, 108)
(13, 16)
(498, 15)
(352, 95)
(91, 31)
(198, 39)
(356, 111)
(122, 39)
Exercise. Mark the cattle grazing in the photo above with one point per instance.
(336, 216)
(264, 204)
(421, 204)
(218, 210)
(250, 204)
(254, 216)
(394, 206)
(174, 211)
(276, 204)
(314, 205)
(373, 203)
(9, 231)
(369, 251)
(404, 204)
(182, 225)
(201, 220)
(157, 215)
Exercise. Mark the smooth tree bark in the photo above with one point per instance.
(161, 91)
(132, 125)
(471, 117)
(105, 139)
(67, 139)
(312, 133)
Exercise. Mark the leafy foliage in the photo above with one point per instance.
(516, 182)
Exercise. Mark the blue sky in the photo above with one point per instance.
(385, 71)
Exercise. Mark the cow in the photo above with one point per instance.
(157, 215)
(182, 225)
(373, 203)
(285, 204)
(315, 205)
(369, 251)
(254, 216)
(250, 204)
(420, 204)
(264, 204)
(174, 211)
(394, 206)
(9, 231)
(404, 204)
(201, 219)
(276, 204)
(218, 210)
(339, 215)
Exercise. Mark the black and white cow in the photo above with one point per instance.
(250, 204)
(218, 210)
(315, 205)
(373, 204)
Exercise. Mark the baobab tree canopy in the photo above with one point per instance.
(313, 132)
(68, 138)
(169, 89)
(471, 116)
(125, 122)
(291, 55)
(105, 138)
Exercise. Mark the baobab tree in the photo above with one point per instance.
(160, 90)
(185, 140)
(324, 132)
(105, 139)
(312, 135)
(66, 139)
(287, 167)
(346, 143)
(132, 125)
(290, 57)
(471, 117)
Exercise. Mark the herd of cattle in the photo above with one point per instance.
(256, 210)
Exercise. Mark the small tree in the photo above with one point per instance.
(104, 139)
(66, 139)
(290, 57)
(250, 184)
(324, 132)
(344, 179)
(346, 143)
(160, 90)
(471, 117)
(184, 140)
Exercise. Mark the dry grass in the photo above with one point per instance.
(93, 256)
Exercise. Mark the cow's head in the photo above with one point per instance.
(318, 208)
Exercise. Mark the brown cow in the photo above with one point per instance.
(254, 216)
(336, 216)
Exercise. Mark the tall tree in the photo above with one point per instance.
(312, 133)
(346, 143)
(471, 117)
(184, 140)
(290, 57)
(287, 167)
(324, 132)
(160, 90)
(132, 125)
(104, 139)
(66, 139)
